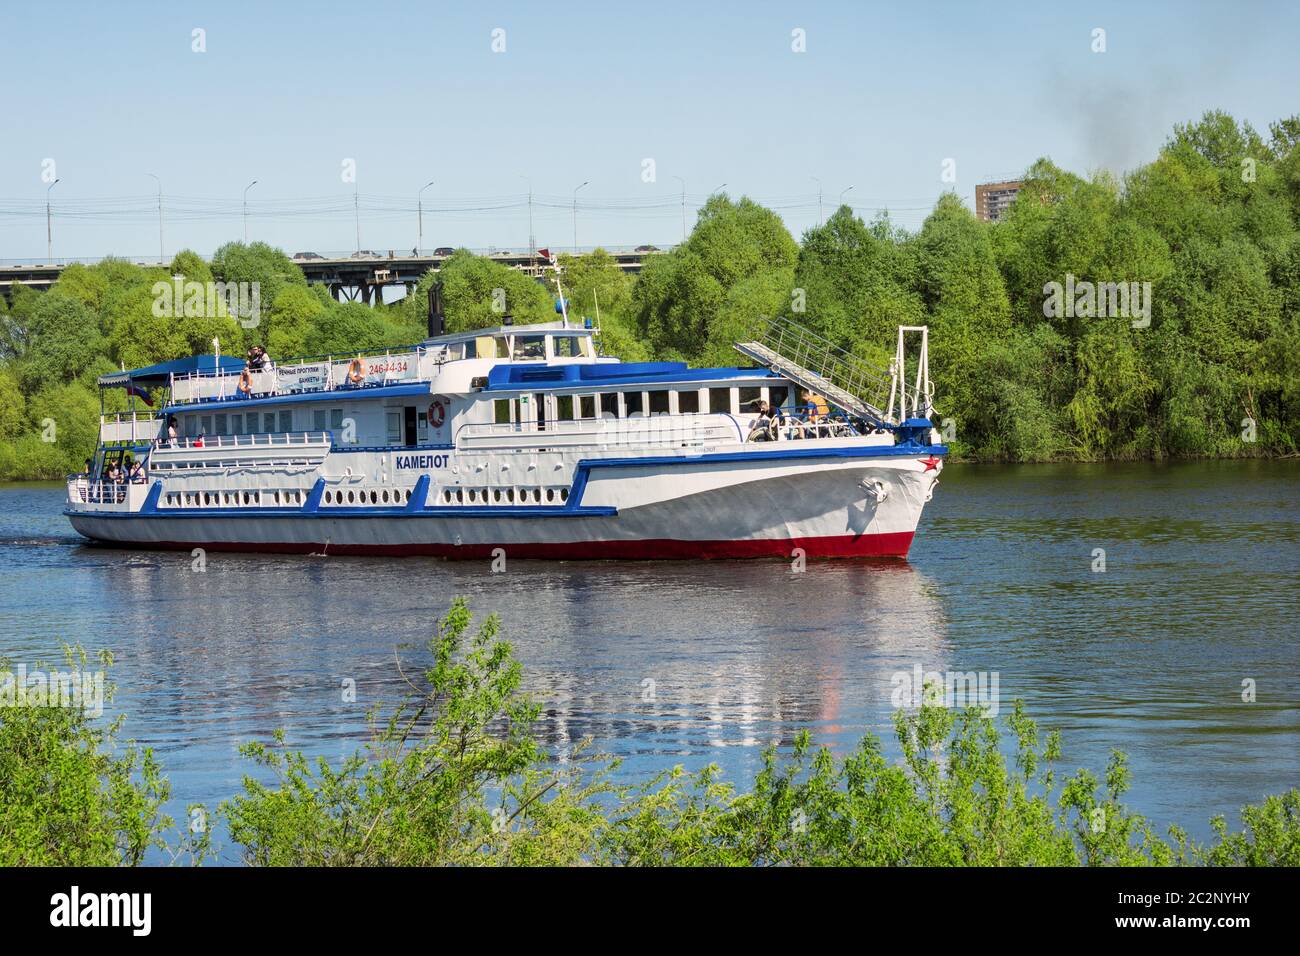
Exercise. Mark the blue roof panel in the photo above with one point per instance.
(610, 374)
(161, 373)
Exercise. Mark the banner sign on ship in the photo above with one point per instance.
(301, 378)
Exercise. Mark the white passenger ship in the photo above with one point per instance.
(523, 438)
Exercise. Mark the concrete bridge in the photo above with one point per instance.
(355, 277)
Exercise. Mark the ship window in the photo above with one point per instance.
(190, 422)
(503, 347)
(268, 422)
(634, 403)
(587, 406)
(236, 424)
(205, 426)
(530, 347)
(609, 405)
(566, 346)
(394, 428)
(219, 423)
(659, 402)
(777, 395)
(501, 411)
(588, 347)
(688, 402)
(719, 400)
(564, 407)
(286, 421)
(318, 419)
(336, 418)
(749, 399)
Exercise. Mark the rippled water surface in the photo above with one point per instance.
(1201, 592)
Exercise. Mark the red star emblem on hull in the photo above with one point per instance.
(930, 463)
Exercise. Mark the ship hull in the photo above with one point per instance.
(830, 508)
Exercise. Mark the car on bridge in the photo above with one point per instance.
(307, 255)
(443, 251)
(646, 249)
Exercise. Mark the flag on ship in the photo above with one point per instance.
(140, 392)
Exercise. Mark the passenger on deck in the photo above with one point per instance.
(764, 427)
(136, 473)
(173, 432)
(357, 371)
(258, 360)
(818, 407)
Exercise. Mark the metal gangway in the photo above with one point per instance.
(846, 380)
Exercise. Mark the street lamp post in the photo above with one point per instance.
(162, 256)
(575, 219)
(683, 182)
(49, 228)
(356, 210)
(843, 192)
(419, 202)
(246, 189)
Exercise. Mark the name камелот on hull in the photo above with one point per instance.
(523, 438)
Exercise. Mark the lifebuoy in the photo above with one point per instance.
(437, 414)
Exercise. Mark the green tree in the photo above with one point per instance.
(680, 296)
(63, 342)
(258, 262)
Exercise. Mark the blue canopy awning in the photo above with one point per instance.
(161, 373)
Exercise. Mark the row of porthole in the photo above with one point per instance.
(371, 496)
(508, 496)
(234, 499)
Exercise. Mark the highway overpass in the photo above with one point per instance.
(357, 277)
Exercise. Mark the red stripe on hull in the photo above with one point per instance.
(894, 545)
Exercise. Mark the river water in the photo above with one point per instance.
(692, 662)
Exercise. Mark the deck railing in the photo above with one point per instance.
(321, 373)
(256, 440)
(129, 427)
(106, 495)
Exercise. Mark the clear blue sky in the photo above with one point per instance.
(711, 92)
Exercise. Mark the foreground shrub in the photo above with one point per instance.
(456, 777)
(66, 799)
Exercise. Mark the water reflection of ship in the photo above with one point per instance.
(691, 657)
